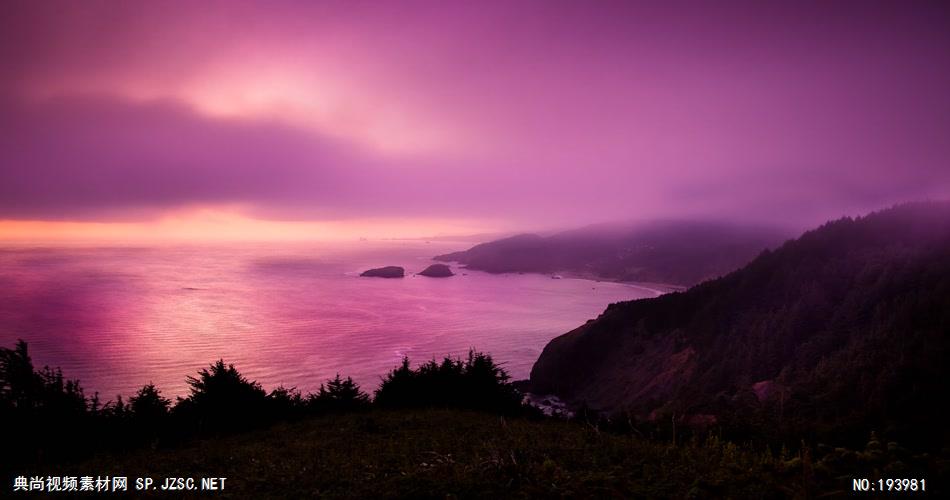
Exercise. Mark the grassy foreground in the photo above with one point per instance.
(451, 453)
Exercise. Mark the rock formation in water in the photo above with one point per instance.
(437, 271)
(385, 272)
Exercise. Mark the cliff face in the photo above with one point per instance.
(674, 252)
(845, 327)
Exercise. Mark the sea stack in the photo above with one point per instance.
(385, 272)
(437, 271)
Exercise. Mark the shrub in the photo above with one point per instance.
(285, 402)
(148, 404)
(339, 394)
(476, 383)
(223, 399)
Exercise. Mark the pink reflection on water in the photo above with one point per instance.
(294, 315)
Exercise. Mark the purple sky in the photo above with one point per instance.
(519, 114)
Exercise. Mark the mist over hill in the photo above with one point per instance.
(841, 331)
(674, 252)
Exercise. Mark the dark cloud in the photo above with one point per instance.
(73, 158)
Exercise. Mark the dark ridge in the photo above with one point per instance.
(837, 333)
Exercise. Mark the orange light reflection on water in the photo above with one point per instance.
(223, 225)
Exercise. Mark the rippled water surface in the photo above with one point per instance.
(292, 314)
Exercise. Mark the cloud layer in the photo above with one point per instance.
(533, 113)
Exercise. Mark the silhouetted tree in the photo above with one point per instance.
(43, 412)
(475, 383)
(399, 387)
(27, 391)
(148, 404)
(19, 383)
(284, 402)
(222, 399)
(339, 394)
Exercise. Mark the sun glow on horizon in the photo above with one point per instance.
(211, 224)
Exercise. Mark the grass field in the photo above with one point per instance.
(449, 454)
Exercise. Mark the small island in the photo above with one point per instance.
(385, 272)
(437, 271)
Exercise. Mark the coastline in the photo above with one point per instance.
(655, 288)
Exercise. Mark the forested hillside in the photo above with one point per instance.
(842, 331)
(674, 252)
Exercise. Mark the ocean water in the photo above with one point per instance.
(291, 314)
